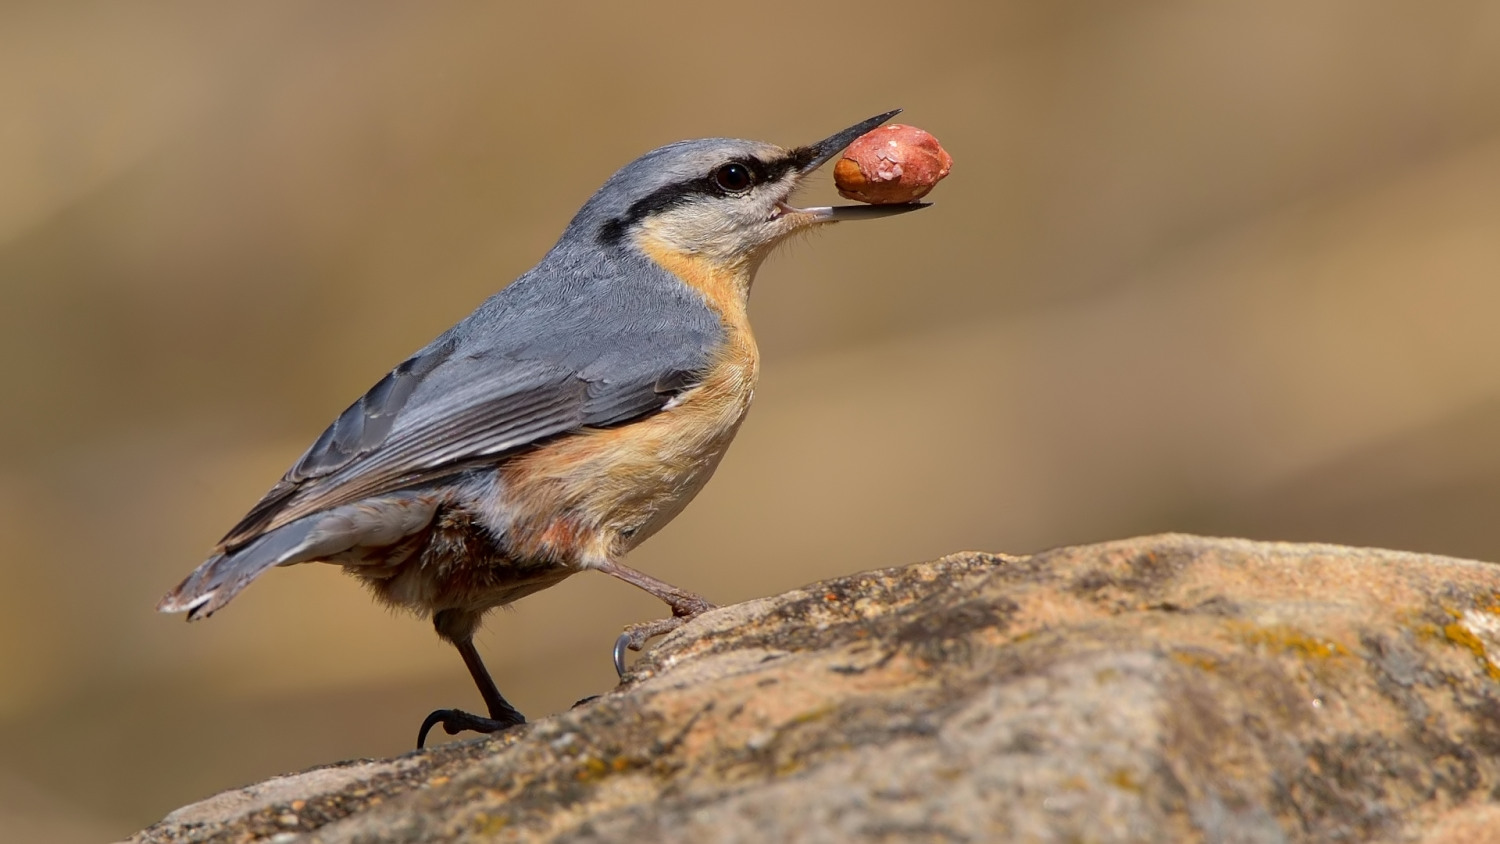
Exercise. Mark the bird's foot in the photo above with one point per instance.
(455, 721)
(687, 605)
(635, 636)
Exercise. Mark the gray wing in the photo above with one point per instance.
(515, 373)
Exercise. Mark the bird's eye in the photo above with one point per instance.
(734, 177)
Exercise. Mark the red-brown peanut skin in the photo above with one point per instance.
(891, 165)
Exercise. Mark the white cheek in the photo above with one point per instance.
(721, 231)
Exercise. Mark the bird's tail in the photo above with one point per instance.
(372, 523)
(222, 576)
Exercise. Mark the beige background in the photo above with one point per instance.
(1226, 268)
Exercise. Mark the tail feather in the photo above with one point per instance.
(222, 576)
(372, 523)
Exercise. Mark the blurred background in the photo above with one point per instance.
(1226, 268)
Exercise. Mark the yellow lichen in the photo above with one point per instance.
(1462, 636)
(1428, 631)
(1291, 640)
(485, 824)
(811, 715)
(788, 766)
(1124, 779)
(593, 770)
(1196, 659)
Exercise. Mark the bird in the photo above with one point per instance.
(567, 419)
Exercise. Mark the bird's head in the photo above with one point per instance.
(720, 202)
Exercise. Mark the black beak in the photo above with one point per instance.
(823, 151)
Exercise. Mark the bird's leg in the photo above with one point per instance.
(684, 606)
(503, 716)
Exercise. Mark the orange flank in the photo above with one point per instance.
(620, 485)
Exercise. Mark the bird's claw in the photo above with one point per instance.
(455, 721)
(636, 636)
(619, 653)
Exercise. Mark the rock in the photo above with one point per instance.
(1159, 689)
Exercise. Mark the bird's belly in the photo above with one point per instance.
(590, 497)
(665, 495)
(454, 563)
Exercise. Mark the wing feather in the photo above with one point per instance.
(487, 388)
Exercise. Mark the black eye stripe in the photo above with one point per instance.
(613, 231)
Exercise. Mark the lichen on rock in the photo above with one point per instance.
(1165, 688)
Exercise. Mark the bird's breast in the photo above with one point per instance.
(590, 496)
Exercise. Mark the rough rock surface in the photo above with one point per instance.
(1158, 689)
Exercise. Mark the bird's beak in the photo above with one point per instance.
(826, 150)
(823, 151)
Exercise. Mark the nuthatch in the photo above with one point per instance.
(566, 420)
